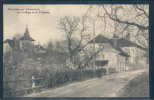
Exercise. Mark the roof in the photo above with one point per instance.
(27, 36)
(100, 39)
(11, 43)
(7, 40)
(124, 54)
(101, 62)
(39, 47)
(122, 42)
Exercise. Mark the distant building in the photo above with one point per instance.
(39, 49)
(117, 52)
(134, 50)
(7, 46)
(26, 40)
(24, 44)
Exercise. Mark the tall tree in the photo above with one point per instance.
(74, 29)
(125, 18)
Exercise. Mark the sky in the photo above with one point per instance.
(43, 26)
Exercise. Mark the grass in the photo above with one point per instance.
(137, 87)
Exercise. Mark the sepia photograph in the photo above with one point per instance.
(75, 50)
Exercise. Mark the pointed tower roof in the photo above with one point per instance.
(27, 35)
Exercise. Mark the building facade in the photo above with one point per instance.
(119, 52)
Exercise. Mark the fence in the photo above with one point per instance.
(20, 92)
(53, 80)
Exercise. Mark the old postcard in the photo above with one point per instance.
(99, 50)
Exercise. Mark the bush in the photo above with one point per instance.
(56, 78)
(70, 75)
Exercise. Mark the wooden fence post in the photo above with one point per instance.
(33, 82)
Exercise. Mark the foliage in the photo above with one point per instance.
(137, 87)
(56, 78)
(123, 19)
(70, 75)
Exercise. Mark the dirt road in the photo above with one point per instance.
(107, 86)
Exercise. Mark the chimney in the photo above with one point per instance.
(128, 36)
(115, 39)
(15, 43)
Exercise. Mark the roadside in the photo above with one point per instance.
(107, 86)
(137, 87)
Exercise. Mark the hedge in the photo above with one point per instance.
(60, 77)
(70, 75)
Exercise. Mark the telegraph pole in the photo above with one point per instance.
(94, 58)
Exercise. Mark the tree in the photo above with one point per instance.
(133, 19)
(124, 18)
(74, 29)
(17, 36)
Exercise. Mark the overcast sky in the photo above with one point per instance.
(42, 27)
